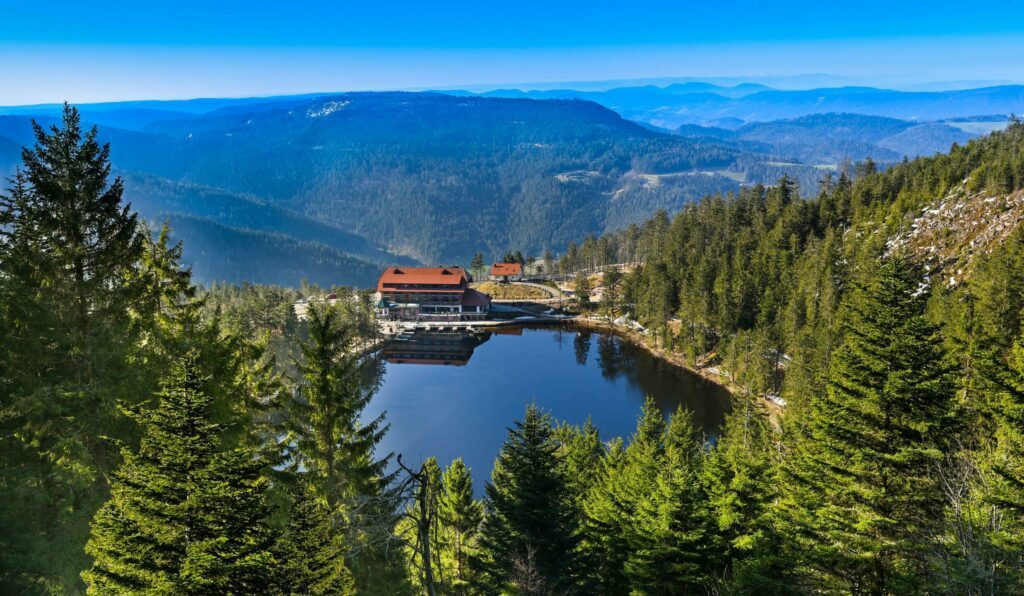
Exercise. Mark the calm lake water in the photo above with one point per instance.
(449, 396)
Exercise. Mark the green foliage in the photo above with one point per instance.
(581, 288)
(336, 449)
(529, 535)
(1005, 467)
(331, 444)
(879, 432)
(75, 298)
(185, 514)
(742, 478)
(460, 516)
(310, 553)
(673, 546)
(611, 298)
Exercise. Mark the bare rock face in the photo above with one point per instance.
(950, 232)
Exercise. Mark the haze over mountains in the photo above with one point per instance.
(328, 187)
(701, 103)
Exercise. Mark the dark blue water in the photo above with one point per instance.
(449, 397)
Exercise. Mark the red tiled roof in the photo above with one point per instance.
(503, 269)
(439, 278)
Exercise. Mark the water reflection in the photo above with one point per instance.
(438, 348)
(462, 409)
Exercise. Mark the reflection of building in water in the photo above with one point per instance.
(447, 348)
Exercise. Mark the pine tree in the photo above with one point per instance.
(185, 514)
(88, 239)
(1005, 466)
(673, 545)
(742, 481)
(460, 516)
(627, 476)
(529, 536)
(610, 299)
(336, 448)
(310, 553)
(582, 450)
(69, 252)
(477, 266)
(331, 443)
(581, 287)
(877, 437)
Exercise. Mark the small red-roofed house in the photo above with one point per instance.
(506, 272)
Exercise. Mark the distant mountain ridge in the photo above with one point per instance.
(833, 138)
(670, 106)
(434, 177)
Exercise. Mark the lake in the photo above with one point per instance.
(449, 395)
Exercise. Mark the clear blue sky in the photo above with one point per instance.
(104, 50)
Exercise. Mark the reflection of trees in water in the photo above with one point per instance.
(581, 344)
(667, 384)
(371, 373)
(559, 337)
(613, 360)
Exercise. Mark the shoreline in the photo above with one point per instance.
(672, 358)
(636, 338)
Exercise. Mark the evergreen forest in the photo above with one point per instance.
(158, 437)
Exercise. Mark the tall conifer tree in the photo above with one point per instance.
(69, 252)
(877, 437)
(529, 536)
(460, 516)
(186, 515)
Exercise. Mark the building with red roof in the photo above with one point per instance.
(426, 293)
(506, 272)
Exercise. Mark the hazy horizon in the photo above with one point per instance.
(101, 52)
(784, 83)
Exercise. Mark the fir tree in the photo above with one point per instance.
(477, 266)
(581, 288)
(877, 437)
(330, 443)
(1006, 465)
(627, 477)
(336, 448)
(529, 536)
(69, 252)
(310, 553)
(460, 516)
(673, 546)
(185, 515)
(611, 280)
(582, 450)
(742, 483)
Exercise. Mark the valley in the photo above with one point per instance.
(373, 178)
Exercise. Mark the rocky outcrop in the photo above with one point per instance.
(949, 233)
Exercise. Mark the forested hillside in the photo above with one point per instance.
(887, 314)
(834, 138)
(763, 260)
(432, 175)
(150, 443)
(436, 177)
(423, 175)
(218, 253)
